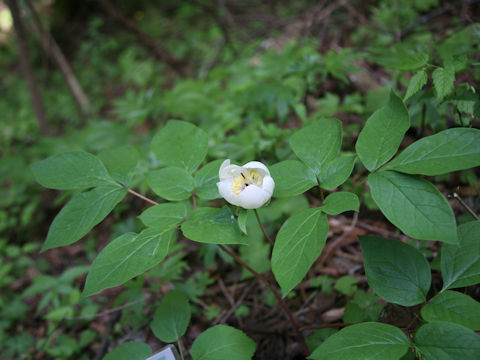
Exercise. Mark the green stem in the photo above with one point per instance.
(261, 227)
(180, 348)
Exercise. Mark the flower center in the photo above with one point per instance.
(247, 178)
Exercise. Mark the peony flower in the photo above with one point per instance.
(249, 186)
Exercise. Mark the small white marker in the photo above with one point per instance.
(169, 352)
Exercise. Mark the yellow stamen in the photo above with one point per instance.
(249, 178)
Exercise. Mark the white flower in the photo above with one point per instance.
(249, 186)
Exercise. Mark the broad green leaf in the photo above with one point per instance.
(213, 226)
(406, 60)
(120, 162)
(414, 205)
(291, 178)
(222, 342)
(299, 243)
(461, 262)
(443, 80)
(126, 257)
(335, 172)
(164, 215)
(318, 143)
(171, 183)
(447, 341)
(454, 307)
(449, 150)
(417, 82)
(365, 341)
(129, 351)
(382, 134)
(180, 144)
(71, 170)
(206, 180)
(81, 214)
(339, 202)
(397, 272)
(172, 317)
(242, 220)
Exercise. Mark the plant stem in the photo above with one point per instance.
(259, 276)
(180, 345)
(261, 227)
(133, 192)
(276, 293)
(464, 204)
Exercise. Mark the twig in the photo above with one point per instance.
(106, 312)
(323, 326)
(464, 204)
(259, 276)
(277, 295)
(261, 227)
(133, 192)
(155, 48)
(27, 67)
(437, 12)
(51, 48)
(104, 346)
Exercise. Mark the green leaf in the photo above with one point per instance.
(213, 226)
(417, 82)
(71, 170)
(291, 178)
(222, 342)
(129, 351)
(454, 307)
(382, 134)
(206, 181)
(461, 262)
(299, 243)
(397, 272)
(172, 317)
(180, 144)
(242, 220)
(164, 215)
(443, 80)
(449, 150)
(447, 341)
(81, 214)
(318, 143)
(126, 257)
(339, 202)
(414, 205)
(335, 172)
(171, 183)
(120, 162)
(365, 341)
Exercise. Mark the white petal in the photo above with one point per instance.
(252, 197)
(268, 185)
(228, 171)
(225, 190)
(256, 165)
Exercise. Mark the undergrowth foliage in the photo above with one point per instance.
(398, 272)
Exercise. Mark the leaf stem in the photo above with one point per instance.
(261, 227)
(464, 204)
(290, 315)
(275, 292)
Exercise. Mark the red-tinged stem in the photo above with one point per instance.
(259, 276)
(261, 227)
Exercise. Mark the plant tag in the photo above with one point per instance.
(167, 353)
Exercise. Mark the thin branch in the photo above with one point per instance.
(106, 312)
(27, 67)
(464, 204)
(259, 276)
(275, 292)
(155, 48)
(51, 48)
(133, 192)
